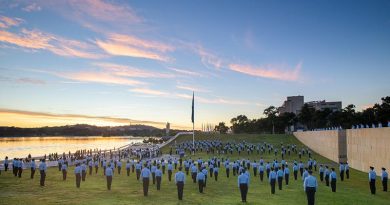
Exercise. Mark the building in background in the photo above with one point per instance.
(293, 104)
(167, 128)
(322, 105)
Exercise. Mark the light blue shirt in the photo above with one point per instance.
(77, 170)
(200, 176)
(332, 175)
(42, 166)
(158, 173)
(384, 174)
(145, 173)
(286, 171)
(372, 175)
(243, 179)
(109, 171)
(64, 167)
(180, 177)
(272, 175)
(310, 181)
(280, 173)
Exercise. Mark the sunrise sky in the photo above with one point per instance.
(112, 62)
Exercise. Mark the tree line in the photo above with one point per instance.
(309, 118)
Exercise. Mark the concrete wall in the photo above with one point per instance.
(369, 147)
(330, 143)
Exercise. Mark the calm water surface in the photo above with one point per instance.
(39, 146)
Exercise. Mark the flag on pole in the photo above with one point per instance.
(192, 116)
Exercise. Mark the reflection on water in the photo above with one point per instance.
(38, 146)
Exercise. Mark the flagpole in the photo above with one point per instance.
(193, 124)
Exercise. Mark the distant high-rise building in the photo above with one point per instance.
(322, 105)
(167, 128)
(292, 104)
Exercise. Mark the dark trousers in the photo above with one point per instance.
(119, 170)
(59, 166)
(83, 174)
(64, 172)
(20, 170)
(295, 175)
(201, 185)
(43, 177)
(216, 176)
(301, 171)
(14, 170)
(154, 177)
(104, 170)
(211, 172)
(310, 193)
(180, 187)
(145, 185)
(327, 180)
(169, 175)
(96, 169)
(78, 180)
(342, 175)
(109, 182)
(5, 167)
(244, 191)
(322, 176)
(273, 181)
(32, 173)
(347, 173)
(234, 171)
(280, 182)
(90, 170)
(286, 177)
(384, 184)
(372, 186)
(227, 173)
(261, 175)
(138, 173)
(255, 171)
(333, 185)
(158, 179)
(205, 180)
(193, 175)
(128, 171)
(268, 171)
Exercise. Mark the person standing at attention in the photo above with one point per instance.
(180, 180)
(310, 187)
(371, 179)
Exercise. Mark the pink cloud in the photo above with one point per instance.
(279, 72)
(98, 77)
(191, 88)
(31, 81)
(142, 43)
(35, 39)
(208, 59)
(148, 91)
(32, 7)
(122, 70)
(6, 22)
(126, 45)
(104, 11)
(186, 72)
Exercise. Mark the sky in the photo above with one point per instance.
(119, 62)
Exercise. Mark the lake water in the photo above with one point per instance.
(38, 146)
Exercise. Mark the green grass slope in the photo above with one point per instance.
(127, 190)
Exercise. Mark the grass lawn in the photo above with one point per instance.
(127, 190)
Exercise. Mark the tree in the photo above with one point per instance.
(271, 113)
(221, 128)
